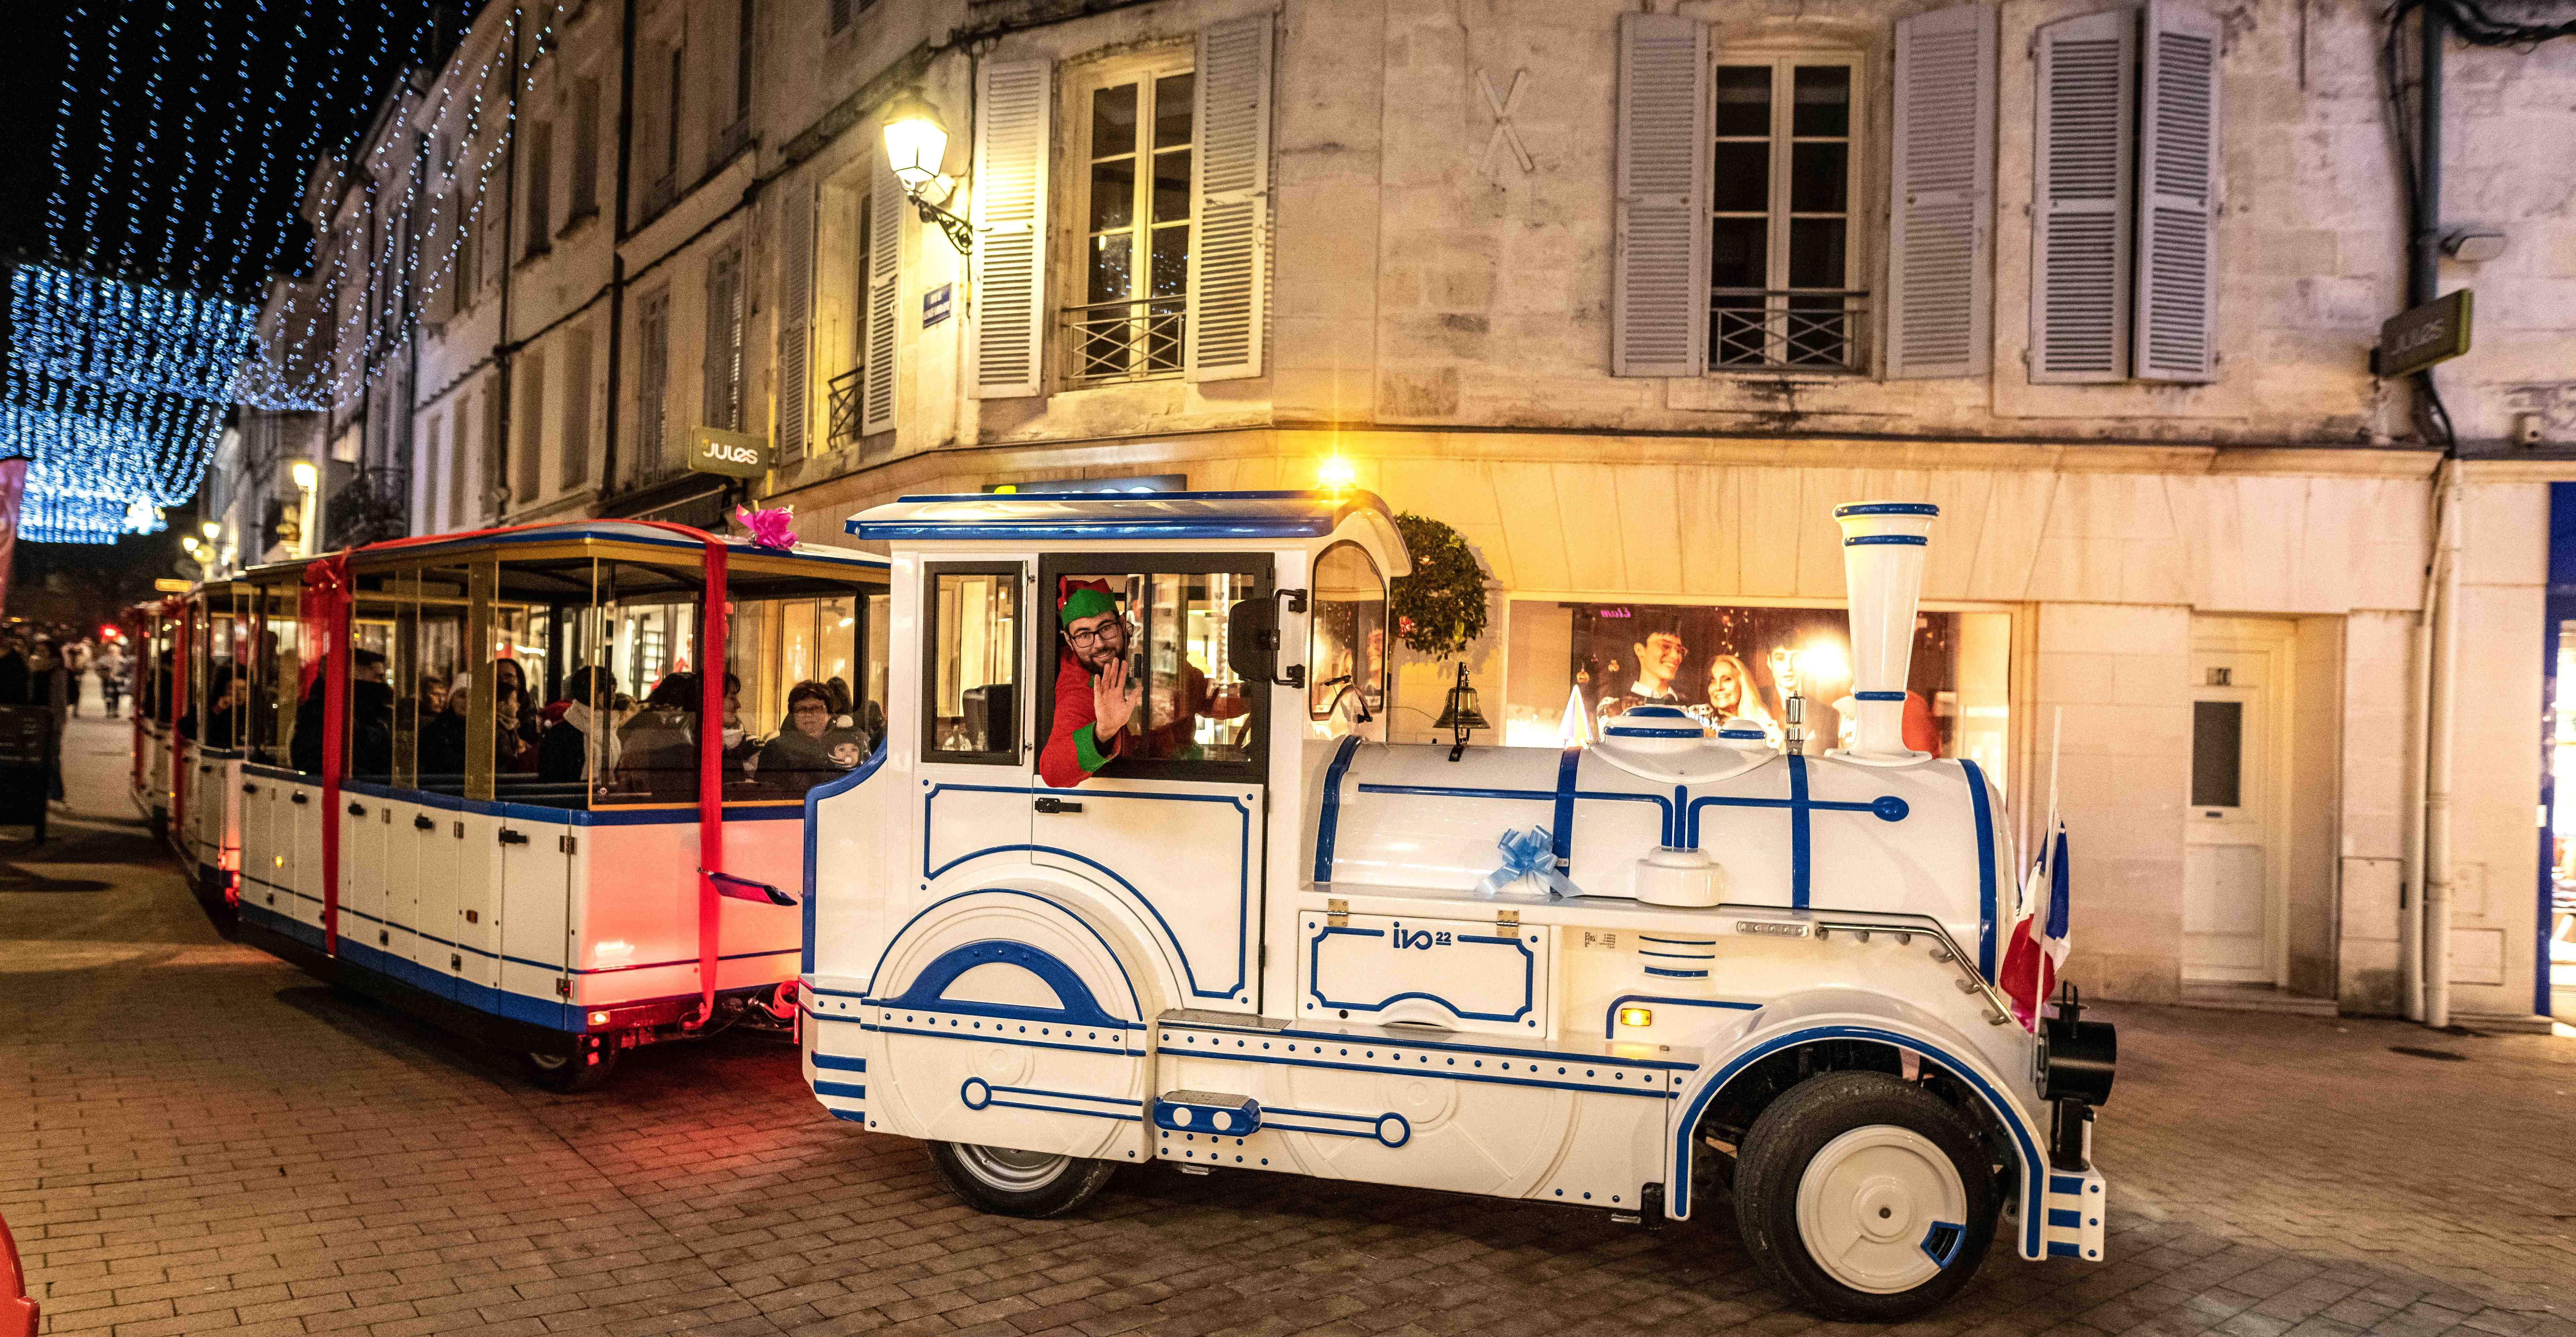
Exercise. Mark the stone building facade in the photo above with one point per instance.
(1629, 296)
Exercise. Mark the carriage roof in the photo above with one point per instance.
(1127, 517)
(605, 537)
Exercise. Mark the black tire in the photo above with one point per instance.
(1900, 1118)
(1018, 1183)
(569, 1075)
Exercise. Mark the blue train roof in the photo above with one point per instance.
(1115, 516)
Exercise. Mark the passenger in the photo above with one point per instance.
(581, 745)
(442, 736)
(433, 695)
(660, 744)
(370, 720)
(216, 729)
(807, 750)
(514, 747)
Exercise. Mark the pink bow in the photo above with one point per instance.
(774, 527)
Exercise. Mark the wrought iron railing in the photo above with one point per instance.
(374, 505)
(1810, 329)
(841, 398)
(1106, 342)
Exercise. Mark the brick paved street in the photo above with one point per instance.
(195, 1138)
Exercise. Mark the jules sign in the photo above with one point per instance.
(733, 454)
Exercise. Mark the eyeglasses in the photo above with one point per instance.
(1089, 635)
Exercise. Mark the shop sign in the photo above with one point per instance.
(733, 454)
(2411, 341)
(168, 585)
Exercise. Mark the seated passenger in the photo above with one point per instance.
(659, 746)
(807, 750)
(442, 736)
(581, 745)
(370, 722)
(1094, 697)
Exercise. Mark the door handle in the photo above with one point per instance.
(510, 837)
(1058, 805)
(300, 798)
(357, 810)
(421, 823)
(250, 789)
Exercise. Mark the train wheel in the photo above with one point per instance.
(1018, 1183)
(1865, 1197)
(570, 1073)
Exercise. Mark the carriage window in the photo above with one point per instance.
(971, 677)
(1170, 632)
(280, 676)
(1346, 653)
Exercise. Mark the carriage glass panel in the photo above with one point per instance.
(279, 674)
(374, 680)
(442, 682)
(1346, 649)
(971, 674)
(790, 637)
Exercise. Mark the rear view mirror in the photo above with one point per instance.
(1252, 638)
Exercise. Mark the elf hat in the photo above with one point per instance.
(1078, 599)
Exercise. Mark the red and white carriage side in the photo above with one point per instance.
(432, 856)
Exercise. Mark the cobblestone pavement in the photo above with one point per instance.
(195, 1138)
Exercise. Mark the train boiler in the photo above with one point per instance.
(1690, 967)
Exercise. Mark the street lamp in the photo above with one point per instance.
(212, 530)
(916, 144)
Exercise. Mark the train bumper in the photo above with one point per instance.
(2078, 1202)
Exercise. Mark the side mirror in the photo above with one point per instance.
(1252, 643)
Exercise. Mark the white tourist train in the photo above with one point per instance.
(1680, 966)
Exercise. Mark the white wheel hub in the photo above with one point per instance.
(1881, 1209)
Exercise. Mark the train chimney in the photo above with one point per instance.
(1883, 543)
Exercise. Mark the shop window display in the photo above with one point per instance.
(1574, 666)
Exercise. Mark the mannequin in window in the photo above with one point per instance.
(1094, 698)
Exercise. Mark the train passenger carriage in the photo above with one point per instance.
(1217, 920)
(475, 784)
(204, 736)
(154, 627)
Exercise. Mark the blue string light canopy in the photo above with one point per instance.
(185, 138)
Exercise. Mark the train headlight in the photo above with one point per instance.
(1636, 1016)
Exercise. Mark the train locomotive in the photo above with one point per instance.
(1685, 968)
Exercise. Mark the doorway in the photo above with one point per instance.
(2236, 831)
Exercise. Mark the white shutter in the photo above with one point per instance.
(2177, 299)
(2081, 187)
(1011, 140)
(1659, 283)
(1230, 255)
(885, 206)
(1940, 278)
(795, 319)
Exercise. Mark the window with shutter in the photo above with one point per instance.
(884, 233)
(2081, 184)
(1783, 259)
(1941, 184)
(1011, 141)
(529, 475)
(1127, 306)
(576, 411)
(795, 319)
(2175, 337)
(1659, 285)
(721, 405)
(1229, 258)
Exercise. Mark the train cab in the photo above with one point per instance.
(545, 785)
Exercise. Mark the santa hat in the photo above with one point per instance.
(1078, 599)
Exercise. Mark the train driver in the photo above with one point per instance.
(1095, 695)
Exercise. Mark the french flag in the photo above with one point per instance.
(2038, 945)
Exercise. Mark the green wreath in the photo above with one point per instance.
(1439, 610)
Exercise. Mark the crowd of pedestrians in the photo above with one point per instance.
(42, 666)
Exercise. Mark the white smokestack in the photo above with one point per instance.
(1883, 548)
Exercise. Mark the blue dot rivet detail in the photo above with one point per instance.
(1889, 808)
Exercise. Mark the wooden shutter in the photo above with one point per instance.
(1940, 275)
(1659, 282)
(1230, 255)
(2177, 298)
(795, 319)
(1011, 140)
(2081, 188)
(885, 206)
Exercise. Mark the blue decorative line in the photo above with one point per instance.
(845, 1090)
(1243, 870)
(1568, 764)
(1678, 942)
(1686, 1127)
(1328, 822)
(1886, 807)
(1985, 869)
(1645, 1090)
(989, 1038)
(1890, 540)
(1075, 1005)
(1679, 956)
(1878, 696)
(1677, 974)
(1886, 508)
(1436, 1046)
(1610, 1018)
(839, 1063)
(1375, 1125)
(879, 967)
(1671, 817)
(1798, 831)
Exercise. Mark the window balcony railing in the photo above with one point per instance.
(1109, 342)
(841, 398)
(374, 505)
(1801, 329)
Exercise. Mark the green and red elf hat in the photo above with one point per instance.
(1078, 599)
